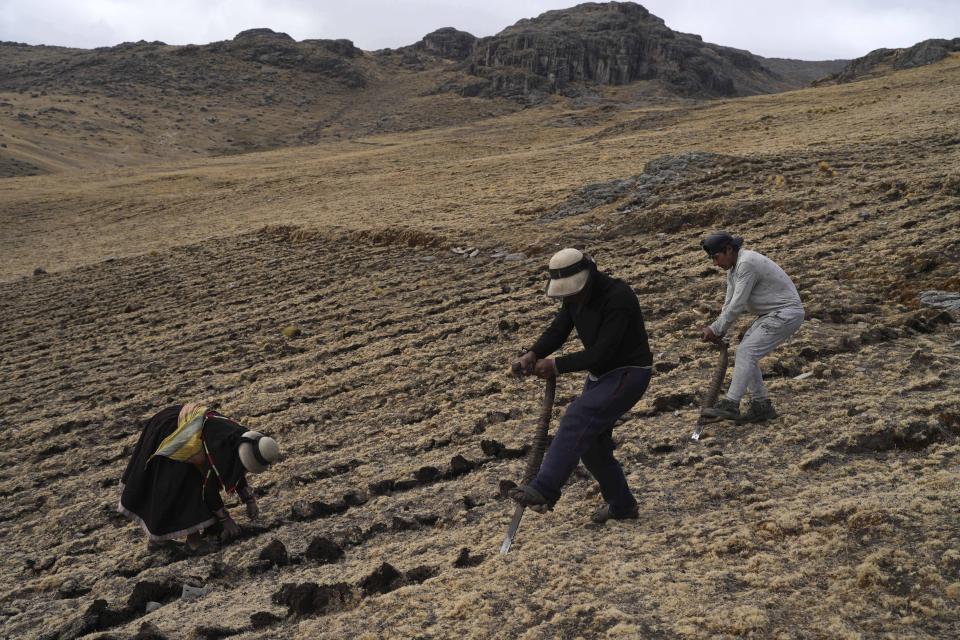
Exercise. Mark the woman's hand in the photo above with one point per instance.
(231, 530)
(253, 511)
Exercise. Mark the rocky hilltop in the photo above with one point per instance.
(881, 61)
(612, 43)
(140, 102)
(190, 70)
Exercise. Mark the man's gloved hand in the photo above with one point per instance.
(524, 365)
(707, 335)
(544, 368)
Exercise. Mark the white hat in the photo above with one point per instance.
(256, 459)
(569, 273)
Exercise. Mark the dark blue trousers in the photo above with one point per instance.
(586, 434)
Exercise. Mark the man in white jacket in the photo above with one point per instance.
(755, 284)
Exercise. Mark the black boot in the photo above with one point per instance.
(723, 410)
(605, 513)
(530, 498)
(759, 411)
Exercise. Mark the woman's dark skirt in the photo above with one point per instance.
(164, 496)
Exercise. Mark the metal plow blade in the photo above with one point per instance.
(512, 529)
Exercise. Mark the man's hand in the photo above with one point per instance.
(707, 335)
(544, 368)
(524, 365)
(253, 511)
(231, 530)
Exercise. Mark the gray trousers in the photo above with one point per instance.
(765, 334)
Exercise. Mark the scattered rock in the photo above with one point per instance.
(72, 589)
(152, 606)
(149, 632)
(419, 574)
(500, 451)
(911, 436)
(426, 474)
(402, 524)
(466, 560)
(275, 553)
(147, 590)
(301, 510)
(384, 579)
(291, 331)
(460, 465)
(264, 619)
(355, 498)
(191, 592)
(673, 401)
(324, 550)
(309, 598)
(39, 271)
(662, 447)
(382, 487)
(948, 300)
(214, 633)
(804, 375)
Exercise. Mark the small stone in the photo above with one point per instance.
(152, 606)
(475, 253)
(460, 465)
(382, 580)
(262, 619)
(39, 271)
(427, 474)
(291, 331)
(466, 560)
(804, 375)
(275, 553)
(324, 550)
(515, 257)
(191, 592)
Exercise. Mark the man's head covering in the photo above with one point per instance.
(569, 273)
(720, 240)
(257, 451)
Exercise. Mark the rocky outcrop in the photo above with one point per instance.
(448, 43)
(880, 60)
(191, 69)
(611, 43)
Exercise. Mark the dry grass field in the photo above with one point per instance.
(313, 293)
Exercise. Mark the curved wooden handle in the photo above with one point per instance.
(539, 445)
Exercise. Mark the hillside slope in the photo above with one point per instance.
(136, 103)
(391, 403)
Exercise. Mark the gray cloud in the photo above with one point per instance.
(810, 30)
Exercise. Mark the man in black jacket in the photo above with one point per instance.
(617, 359)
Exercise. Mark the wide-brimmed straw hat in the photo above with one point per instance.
(569, 273)
(257, 451)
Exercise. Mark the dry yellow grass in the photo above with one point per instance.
(175, 281)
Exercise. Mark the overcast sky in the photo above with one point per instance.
(804, 29)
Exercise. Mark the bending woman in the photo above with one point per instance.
(185, 456)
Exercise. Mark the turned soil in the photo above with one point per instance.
(360, 300)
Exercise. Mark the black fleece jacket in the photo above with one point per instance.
(609, 324)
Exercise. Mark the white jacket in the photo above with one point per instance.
(758, 285)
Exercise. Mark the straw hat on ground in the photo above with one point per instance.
(569, 273)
